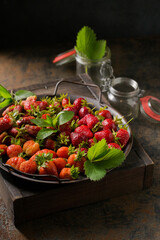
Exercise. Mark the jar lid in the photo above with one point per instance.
(150, 108)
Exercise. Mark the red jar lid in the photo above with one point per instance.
(151, 107)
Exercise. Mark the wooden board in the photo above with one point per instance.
(25, 200)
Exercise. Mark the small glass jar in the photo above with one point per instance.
(123, 95)
(100, 71)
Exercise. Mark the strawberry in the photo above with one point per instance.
(5, 124)
(114, 145)
(84, 111)
(63, 152)
(15, 162)
(31, 147)
(69, 173)
(13, 132)
(44, 116)
(12, 108)
(77, 160)
(79, 102)
(72, 108)
(91, 120)
(60, 163)
(25, 120)
(109, 124)
(105, 113)
(84, 130)
(49, 144)
(32, 130)
(123, 136)
(42, 105)
(3, 149)
(28, 167)
(3, 136)
(14, 150)
(77, 138)
(66, 127)
(54, 155)
(106, 134)
(65, 101)
(29, 102)
(48, 168)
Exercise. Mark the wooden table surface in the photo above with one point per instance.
(130, 217)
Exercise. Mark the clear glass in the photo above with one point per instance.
(124, 95)
(100, 71)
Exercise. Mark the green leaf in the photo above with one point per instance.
(64, 117)
(112, 159)
(88, 46)
(4, 92)
(41, 122)
(2, 99)
(5, 103)
(44, 133)
(98, 150)
(93, 171)
(21, 94)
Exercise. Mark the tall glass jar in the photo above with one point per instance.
(100, 71)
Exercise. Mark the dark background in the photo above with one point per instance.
(37, 22)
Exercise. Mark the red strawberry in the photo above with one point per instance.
(105, 113)
(5, 124)
(14, 150)
(66, 127)
(12, 108)
(91, 120)
(63, 152)
(69, 173)
(65, 101)
(25, 120)
(28, 167)
(82, 121)
(31, 147)
(42, 152)
(77, 138)
(49, 144)
(78, 102)
(123, 136)
(50, 168)
(60, 163)
(114, 145)
(42, 105)
(32, 130)
(76, 161)
(3, 149)
(13, 131)
(44, 116)
(15, 162)
(109, 124)
(72, 108)
(84, 130)
(84, 111)
(29, 102)
(106, 134)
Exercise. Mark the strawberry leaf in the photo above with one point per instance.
(44, 133)
(21, 94)
(4, 92)
(6, 102)
(94, 171)
(98, 150)
(41, 122)
(64, 117)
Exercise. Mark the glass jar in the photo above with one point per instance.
(100, 71)
(123, 95)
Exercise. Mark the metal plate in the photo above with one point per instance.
(41, 179)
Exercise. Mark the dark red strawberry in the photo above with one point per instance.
(42, 105)
(114, 145)
(84, 130)
(79, 102)
(50, 144)
(82, 121)
(91, 120)
(5, 124)
(109, 124)
(77, 138)
(123, 136)
(72, 108)
(105, 113)
(32, 130)
(105, 134)
(66, 127)
(84, 111)
(13, 132)
(12, 108)
(25, 120)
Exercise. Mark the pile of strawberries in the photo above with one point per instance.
(64, 152)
